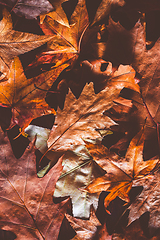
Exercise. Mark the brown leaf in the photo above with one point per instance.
(85, 229)
(23, 97)
(58, 14)
(14, 43)
(84, 117)
(121, 172)
(105, 8)
(27, 208)
(147, 201)
(29, 9)
(69, 43)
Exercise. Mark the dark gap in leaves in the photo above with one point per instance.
(66, 231)
(44, 161)
(5, 117)
(59, 199)
(52, 98)
(19, 144)
(69, 7)
(127, 18)
(152, 25)
(92, 8)
(29, 57)
(26, 25)
(45, 121)
(104, 66)
(151, 147)
(144, 219)
(134, 192)
(37, 70)
(1, 16)
(112, 139)
(138, 76)
(114, 222)
(101, 212)
(7, 235)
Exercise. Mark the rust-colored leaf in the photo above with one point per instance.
(121, 172)
(85, 229)
(14, 43)
(23, 97)
(57, 14)
(26, 203)
(83, 117)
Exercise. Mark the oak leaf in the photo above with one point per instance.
(83, 117)
(121, 172)
(23, 97)
(78, 170)
(27, 8)
(85, 229)
(14, 43)
(26, 203)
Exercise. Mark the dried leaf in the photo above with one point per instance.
(147, 201)
(85, 229)
(105, 8)
(27, 208)
(23, 97)
(14, 43)
(78, 171)
(83, 118)
(121, 172)
(66, 42)
(58, 14)
(29, 9)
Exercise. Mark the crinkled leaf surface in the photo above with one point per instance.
(147, 201)
(78, 170)
(121, 172)
(26, 202)
(66, 41)
(85, 229)
(14, 43)
(83, 117)
(23, 97)
(29, 8)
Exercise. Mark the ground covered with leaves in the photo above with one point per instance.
(79, 116)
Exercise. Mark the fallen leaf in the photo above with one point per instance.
(58, 14)
(147, 201)
(104, 9)
(26, 203)
(78, 113)
(23, 97)
(85, 229)
(121, 172)
(67, 41)
(14, 43)
(78, 170)
(124, 113)
(29, 9)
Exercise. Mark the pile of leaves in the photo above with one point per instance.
(79, 116)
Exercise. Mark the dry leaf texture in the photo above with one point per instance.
(121, 172)
(14, 43)
(23, 97)
(26, 202)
